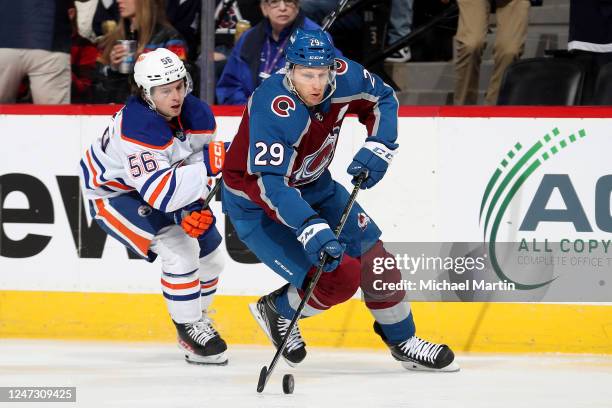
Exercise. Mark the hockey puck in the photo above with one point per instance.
(288, 383)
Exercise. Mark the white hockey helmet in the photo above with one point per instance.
(158, 67)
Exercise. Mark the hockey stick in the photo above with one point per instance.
(265, 372)
(329, 20)
(213, 192)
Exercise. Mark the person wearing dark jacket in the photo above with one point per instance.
(260, 50)
(35, 42)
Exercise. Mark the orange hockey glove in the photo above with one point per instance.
(197, 223)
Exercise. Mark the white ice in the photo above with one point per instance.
(135, 375)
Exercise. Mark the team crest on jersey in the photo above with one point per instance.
(144, 211)
(315, 163)
(341, 66)
(362, 221)
(281, 105)
(180, 135)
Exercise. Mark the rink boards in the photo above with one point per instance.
(59, 279)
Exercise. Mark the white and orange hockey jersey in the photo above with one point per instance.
(140, 151)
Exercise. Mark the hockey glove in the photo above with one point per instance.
(214, 157)
(197, 222)
(372, 159)
(194, 219)
(317, 239)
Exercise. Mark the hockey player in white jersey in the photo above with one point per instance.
(145, 179)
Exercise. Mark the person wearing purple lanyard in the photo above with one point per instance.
(260, 50)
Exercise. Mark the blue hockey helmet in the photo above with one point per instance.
(311, 48)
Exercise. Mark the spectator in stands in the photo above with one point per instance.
(83, 54)
(183, 15)
(348, 31)
(145, 22)
(400, 25)
(107, 10)
(35, 42)
(590, 39)
(512, 21)
(227, 15)
(260, 50)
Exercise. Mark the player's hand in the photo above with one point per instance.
(116, 55)
(317, 239)
(214, 157)
(372, 159)
(197, 222)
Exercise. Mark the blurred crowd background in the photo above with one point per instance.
(433, 52)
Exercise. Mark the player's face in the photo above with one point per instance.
(169, 98)
(310, 83)
(127, 8)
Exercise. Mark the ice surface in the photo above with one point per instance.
(154, 375)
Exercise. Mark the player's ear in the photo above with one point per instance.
(262, 6)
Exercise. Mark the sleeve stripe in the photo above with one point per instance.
(102, 169)
(103, 181)
(169, 193)
(159, 189)
(85, 175)
(151, 180)
(118, 185)
(93, 170)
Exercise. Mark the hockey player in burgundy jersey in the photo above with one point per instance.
(283, 202)
(146, 178)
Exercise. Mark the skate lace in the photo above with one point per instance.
(201, 331)
(295, 338)
(420, 349)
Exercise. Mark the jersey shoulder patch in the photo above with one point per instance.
(272, 96)
(197, 116)
(352, 81)
(342, 65)
(143, 126)
(273, 109)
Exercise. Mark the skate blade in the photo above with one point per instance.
(451, 368)
(262, 323)
(218, 359)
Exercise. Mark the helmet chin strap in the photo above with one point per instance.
(147, 98)
(331, 82)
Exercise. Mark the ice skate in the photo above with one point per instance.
(201, 343)
(421, 355)
(275, 326)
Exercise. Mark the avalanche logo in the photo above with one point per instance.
(362, 221)
(315, 163)
(341, 66)
(281, 105)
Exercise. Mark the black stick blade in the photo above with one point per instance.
(261, 384)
